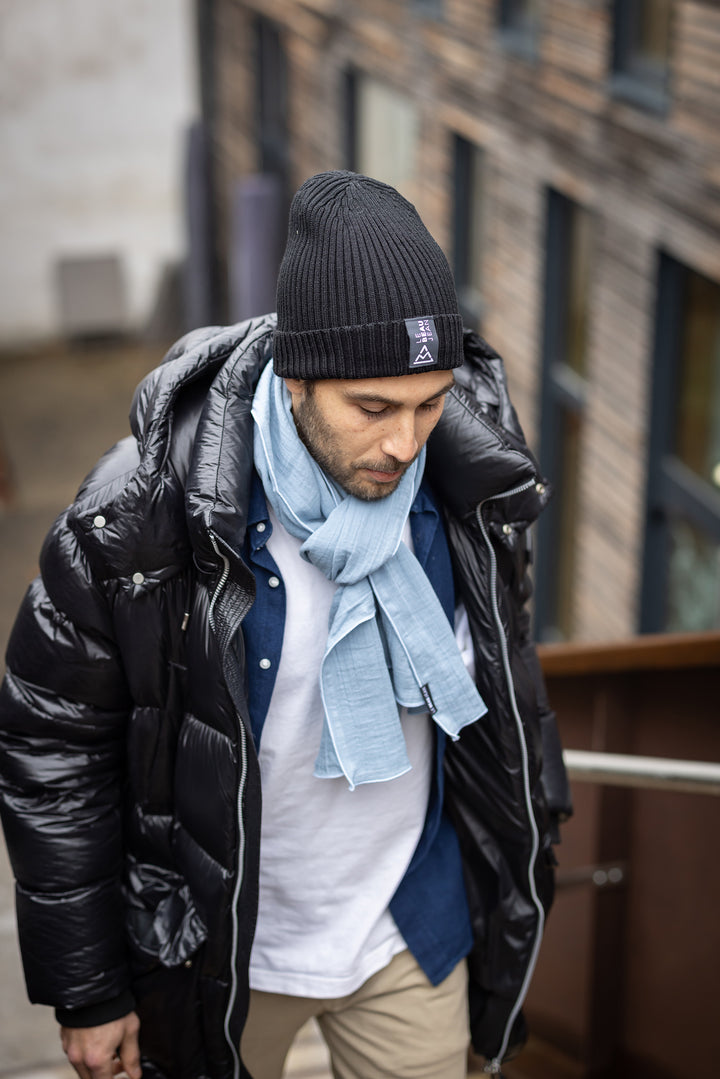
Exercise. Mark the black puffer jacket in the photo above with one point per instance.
(129, 785)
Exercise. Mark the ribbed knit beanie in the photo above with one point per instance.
(363, 290)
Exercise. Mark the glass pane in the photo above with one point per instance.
(578, 287)
(569, 260)
(652, 43)
(474, 279)
(567, 494)
(387, 128)
(693, 593)
(468, 216)
(271, 76)
(697, 431)
(521, 15)
(644, 29)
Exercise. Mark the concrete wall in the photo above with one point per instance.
(94, 102)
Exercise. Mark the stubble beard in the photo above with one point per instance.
(321, 443)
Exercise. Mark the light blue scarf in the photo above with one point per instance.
(389, 641)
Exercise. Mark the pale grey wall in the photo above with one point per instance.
(95, 96)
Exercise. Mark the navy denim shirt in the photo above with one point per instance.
(429, 907)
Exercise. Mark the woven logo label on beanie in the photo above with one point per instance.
(424, 344)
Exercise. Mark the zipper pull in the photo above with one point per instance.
(184, 624)
(492, 1067)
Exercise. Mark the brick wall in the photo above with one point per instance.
(651, 180)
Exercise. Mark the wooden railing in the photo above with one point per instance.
(627, 979)
(661, 651)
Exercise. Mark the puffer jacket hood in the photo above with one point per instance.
(135, 844)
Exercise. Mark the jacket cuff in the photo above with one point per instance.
(94, 1015)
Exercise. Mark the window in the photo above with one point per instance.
(681, 586)
(569, 243)
(641, 52)
(520, 25)
(382, 126)
(468, 228)
(260, 201)
(271, 85)
(428, 9)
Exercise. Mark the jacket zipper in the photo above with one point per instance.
(493, 1067)
(221, 583)
(234, 1049)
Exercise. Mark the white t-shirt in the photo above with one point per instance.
(330, 858)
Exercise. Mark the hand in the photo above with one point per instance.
(105, 1051)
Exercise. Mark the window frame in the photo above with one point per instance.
(467, 157)
(563, 400)
(672, 487)
(429, 9)
(627, 82)
(518, 35)
(354, 78)
(271, 74)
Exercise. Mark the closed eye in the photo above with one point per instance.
(429, 406)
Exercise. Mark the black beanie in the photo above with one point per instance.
(363, 290)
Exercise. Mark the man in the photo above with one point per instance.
(255, 592)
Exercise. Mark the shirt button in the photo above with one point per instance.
(274, 582)
(507, 529)
(260, 527)
(265, 664)
(138, 578)
(99, 521)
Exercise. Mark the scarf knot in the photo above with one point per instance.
(389, 643)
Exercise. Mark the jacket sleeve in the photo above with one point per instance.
(63, 708)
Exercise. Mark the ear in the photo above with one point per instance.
(296, 386)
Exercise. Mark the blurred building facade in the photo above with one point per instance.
(95, 101)
(566, 155)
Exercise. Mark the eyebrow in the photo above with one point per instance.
(379, 399)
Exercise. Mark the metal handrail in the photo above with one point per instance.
(661, 773)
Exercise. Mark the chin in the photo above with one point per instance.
(372, 492)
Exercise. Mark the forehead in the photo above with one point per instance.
(396, 389)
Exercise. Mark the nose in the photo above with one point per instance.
(401, 441)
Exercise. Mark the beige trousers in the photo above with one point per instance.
(395, 1026)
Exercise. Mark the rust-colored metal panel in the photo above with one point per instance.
(627, 982)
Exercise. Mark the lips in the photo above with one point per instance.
(384, 477)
